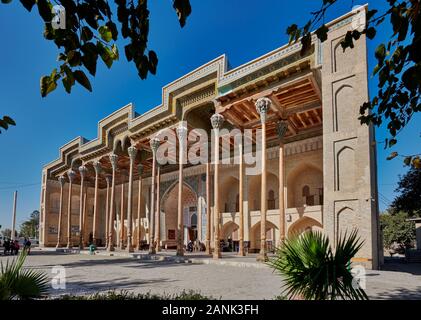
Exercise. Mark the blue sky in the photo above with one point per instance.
(242, 29)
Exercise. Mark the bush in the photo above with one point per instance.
(314, 271)
(126, 295)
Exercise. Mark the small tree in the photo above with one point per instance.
(6, 232)
(409, 198)
(314, 271)
(397, 229)
(29, 228)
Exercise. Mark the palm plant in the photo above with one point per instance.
(314, 271)
(17, 282)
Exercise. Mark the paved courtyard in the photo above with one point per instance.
(89, 274)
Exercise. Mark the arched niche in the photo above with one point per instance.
(272, 189)
(345, 169)
(228, 191)
(304, 224)
(255, 236)
(345, 110)
(304, 178)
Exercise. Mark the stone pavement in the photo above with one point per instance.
(229, 278)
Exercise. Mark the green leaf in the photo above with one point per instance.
(183, 10)
(4, 124)
(371, 33)
(322, 33)
(86, 34)
(392, 155)
(105, 54)
(9, 120)
(28, 4)
(44, 9)
(380, 53)
(392, 142)
(143, 67)
(105, 33)
(128, 49)
(47, 85)
(407, 161)
(82, 79)
(113, 28)
(153, 62)
(370, 14)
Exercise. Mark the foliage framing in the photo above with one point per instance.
(91, 33)
(314, 271)
(17, 282)
(398, 65)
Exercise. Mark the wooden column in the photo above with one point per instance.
(122, 218)
(154, 145)
(240, 200)
(97, 167)
(85, 217)
(282, 128)
(82, 171)
(71, 174)
(182, 135)
(208, 210)
(62, 181)
(132, 154)
(262, 106)
(217, 120)
(113, 160)
(158, 210)
(139, 203)
(107, 208)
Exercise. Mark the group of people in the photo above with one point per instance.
(195, 246)
(12, 246)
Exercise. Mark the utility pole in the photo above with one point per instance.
(15, 197)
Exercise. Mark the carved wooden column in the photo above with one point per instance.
(240, 200)
(62, 181)
(262, 106)
(139, 203)
(85, 217)
(182, 135)
(82, 171)
(282, 128)
(71, 174)
(122, 216)
(113, 160)
(158, 210)
(132, 154)
(107, 208)
(217, 120)
(208, 210)
(97, 167)
(154, 145)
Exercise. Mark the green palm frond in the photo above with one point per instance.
(19, 282)
(312, 270)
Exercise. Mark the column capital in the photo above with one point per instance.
(155, 143)
(181, 132)
(62, 180)
(97, 167)
(71, 174)
(217, 120)
(262, 107)
(113, 160)
(132, 151)
(83, 170)
(282, 128)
